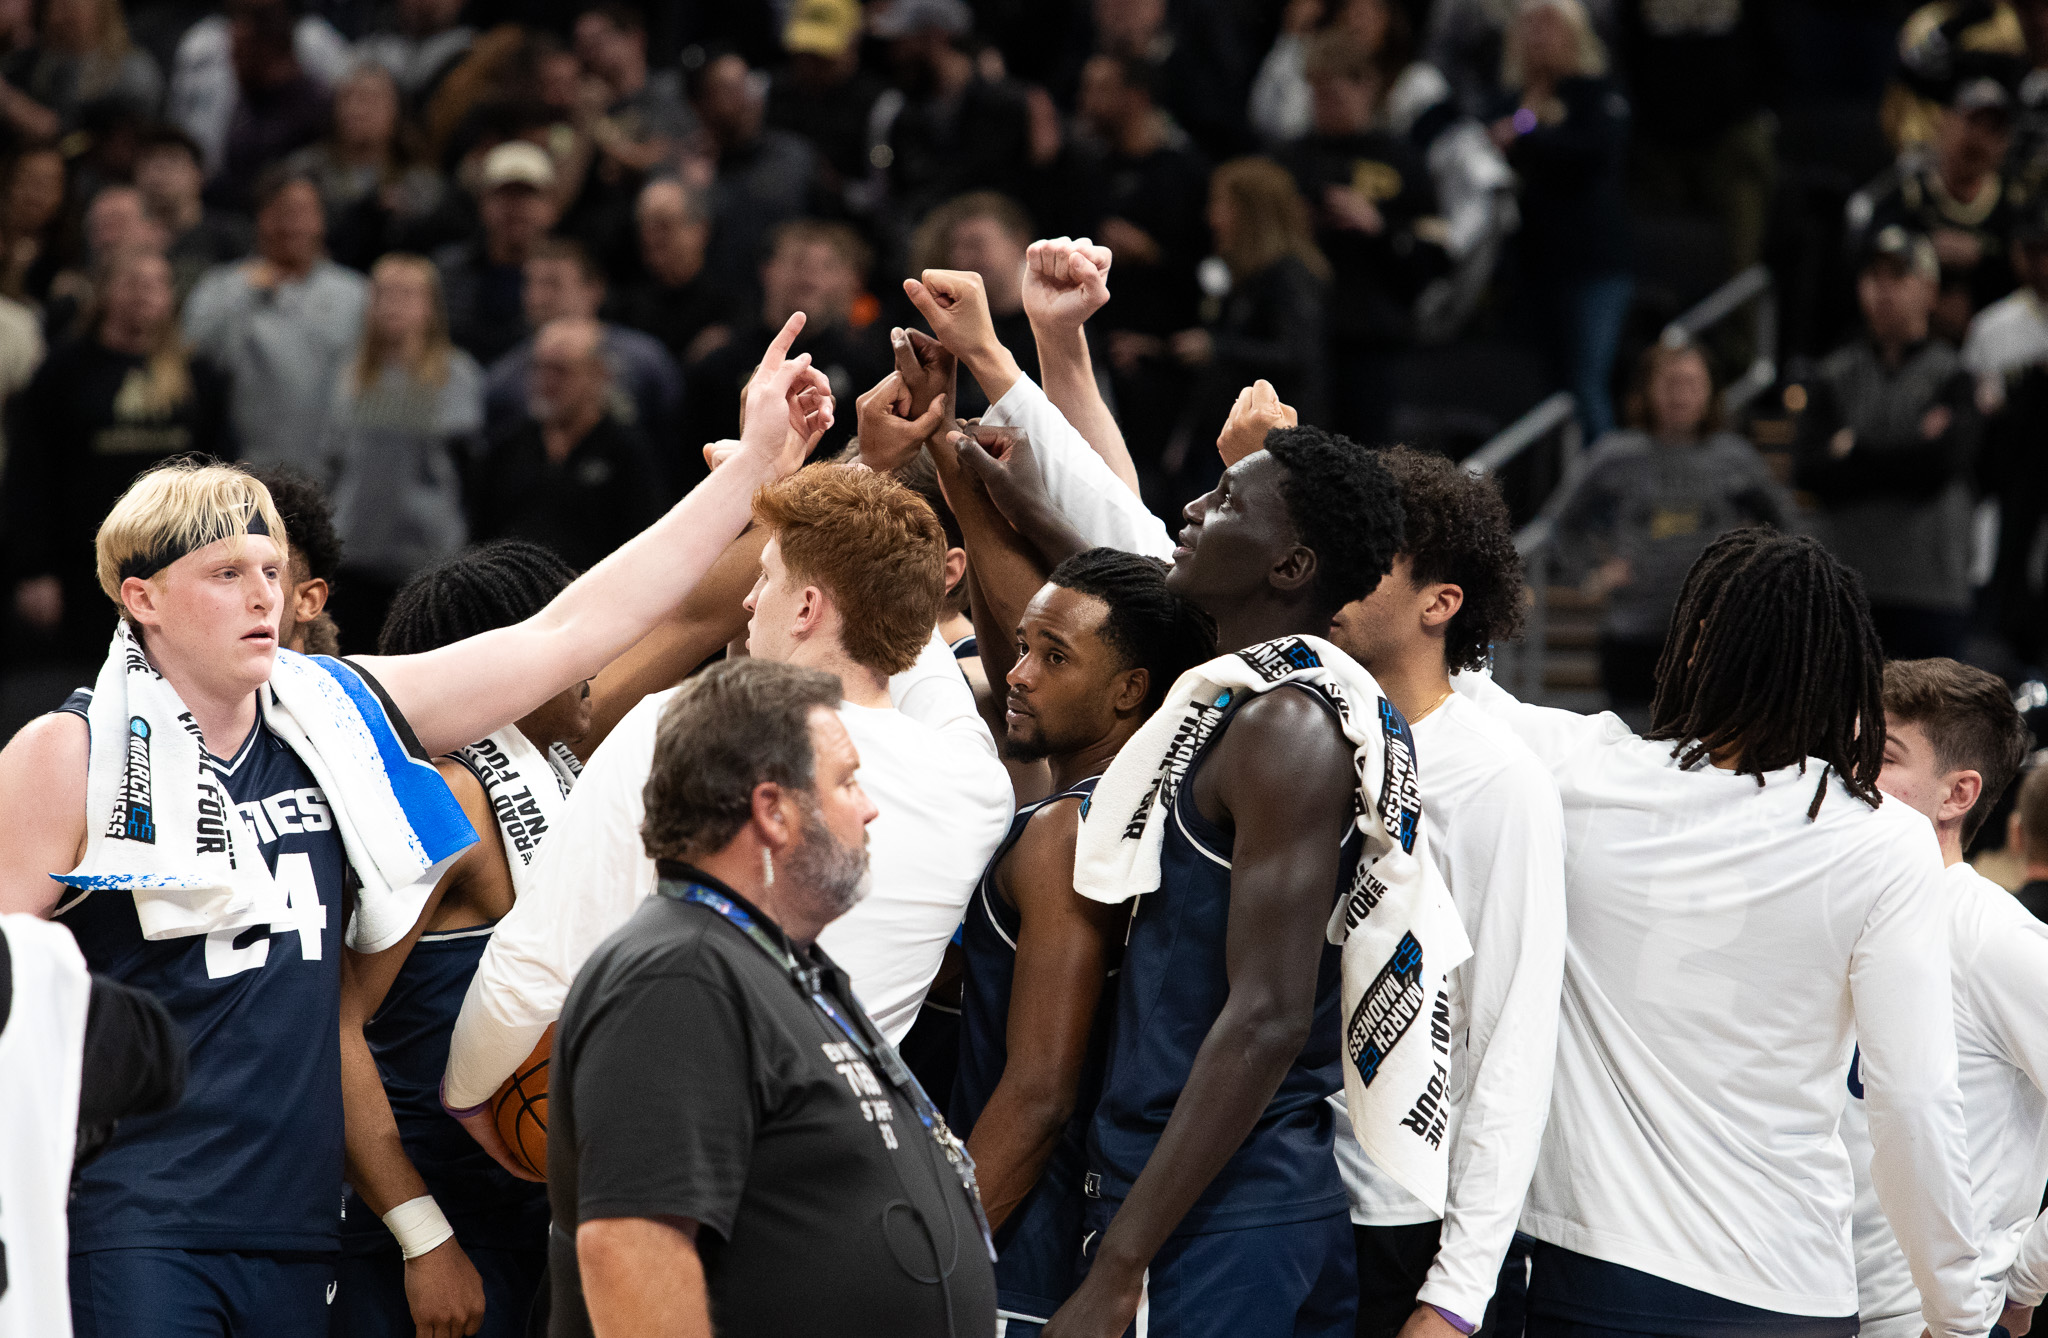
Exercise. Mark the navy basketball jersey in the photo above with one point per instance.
(1038, 1248)
(487, 1205)
(1171, 989)
(989, 940)
(251, 1159)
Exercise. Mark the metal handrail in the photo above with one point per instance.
(1523, 433)
(1752, 285)
(1521, 667)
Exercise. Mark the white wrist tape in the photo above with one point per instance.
(419, 1225)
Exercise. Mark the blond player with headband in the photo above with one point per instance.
(213, 817)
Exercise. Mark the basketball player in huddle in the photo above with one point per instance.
(1953, 741)
(1097, 649)
(472, 1244)
(219, 1217)
(1743, 909)
(1214, 1184)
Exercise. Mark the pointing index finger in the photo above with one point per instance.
(778, 348)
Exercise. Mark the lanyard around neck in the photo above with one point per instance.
(879, 1054)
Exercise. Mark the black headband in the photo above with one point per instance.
(146, 565)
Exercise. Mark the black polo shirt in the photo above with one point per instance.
(692, 1078)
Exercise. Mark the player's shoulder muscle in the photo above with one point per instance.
(42, 803)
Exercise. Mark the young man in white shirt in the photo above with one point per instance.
(1953, 742)
(1497, 835)
(1743, 908)
(851, 582)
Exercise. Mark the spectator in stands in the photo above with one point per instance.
(406, 426)
(281, 325)
(816, 268)
(1153, 188)
(568, 475)
(1564, 128)
(1376, 221)
(1201, 76)
(1269, 325)
(563, 282)
(21, 352)
(1651, 498)
(32, 224)
(483, 279)
(205, 85)
(1886, 443)
(642, 118)
(1705, 140)
(426, 39)
(2027, 160)
(824, 96)
(2027, 839)
(986, 233)
(281, 106)
(1279, 109)
(115, 221)
(371, 181)
(959, 130)
(2011, 334)
(1953, 192)
(103, 408)
(170, 176)
(2007, 351)
(677, 302)
(760, 178)
(85, 58)
(1475, 191)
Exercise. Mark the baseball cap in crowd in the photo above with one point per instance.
(907, 18)
(518, 163)
(1981, 93)
(1911, 252)
(822, 28)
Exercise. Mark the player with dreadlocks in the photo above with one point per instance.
(484, 1244)
(1780, 680)
(1742, 909)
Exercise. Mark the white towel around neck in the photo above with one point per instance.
(528, 790)
(160, 824)
(1399, 930)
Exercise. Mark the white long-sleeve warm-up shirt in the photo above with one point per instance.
(944, 800)
(1496, 831)
(1998, 960)
(1723, 957)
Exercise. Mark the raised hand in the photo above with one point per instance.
(1065, 282)
(788, 405)
(1258, 410)
(889, 436)
(926, 368)
(998, 461)
(955, 305)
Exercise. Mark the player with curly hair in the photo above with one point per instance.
(1497, 835)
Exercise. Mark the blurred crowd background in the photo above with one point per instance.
(498, 268)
